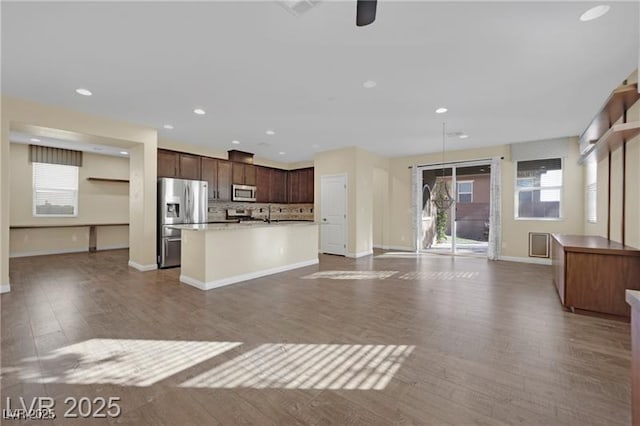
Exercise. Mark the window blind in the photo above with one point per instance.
(55, 190)
(47, 154)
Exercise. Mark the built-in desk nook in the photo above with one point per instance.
(592, 273)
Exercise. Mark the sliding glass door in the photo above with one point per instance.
(464, 226)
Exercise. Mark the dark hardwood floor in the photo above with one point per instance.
(393, 338)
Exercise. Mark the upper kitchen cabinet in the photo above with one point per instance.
(168, 164)
(174, 164)
(244, 174)
(300, 186)
(218, 174)
(278, 186)
(189, 166)
(224, 180)
(263, 184)
(210, 174)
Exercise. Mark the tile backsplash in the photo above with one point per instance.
(218, 210)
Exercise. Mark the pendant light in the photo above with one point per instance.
(441, 196)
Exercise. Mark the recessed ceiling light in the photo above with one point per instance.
(270, 132)
(124, 152)
(199, 111)
(282, 153)
(34, 140)
(369, 84)
(463, 136)
(168, 126)
(84, 92)
(96, 148)
(594, 13)
(235, 142)
(441, 110)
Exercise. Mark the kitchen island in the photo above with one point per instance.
(215, 255)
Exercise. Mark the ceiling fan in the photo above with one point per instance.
(365, 12)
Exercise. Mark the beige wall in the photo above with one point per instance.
(359, 165)
(17, 112)
(515, 232)
(98, 202)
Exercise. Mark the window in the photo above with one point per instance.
(55, 190)
(465, 191)
(539, 189)
(592, 192)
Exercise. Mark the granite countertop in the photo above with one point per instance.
(241, 225)
(633, 299)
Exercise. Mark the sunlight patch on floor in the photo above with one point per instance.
(441, 275)
(350, 275)
(129, 362)
(307, 366)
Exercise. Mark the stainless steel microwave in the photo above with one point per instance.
(243, 193)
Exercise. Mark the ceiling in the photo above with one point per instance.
(507, 72)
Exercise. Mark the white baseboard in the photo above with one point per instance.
(143, 268)
(536, 260)
(5, 288)
(113, 247)
(360, 254)
(48, 252)
(244, 277)
(399, 248)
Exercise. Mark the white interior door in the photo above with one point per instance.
(333, 215)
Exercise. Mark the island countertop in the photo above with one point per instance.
(241, 225)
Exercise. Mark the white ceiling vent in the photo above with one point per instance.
(298, 7)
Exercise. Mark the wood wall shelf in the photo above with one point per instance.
(99, 179)
(613, 139)
(613, 109)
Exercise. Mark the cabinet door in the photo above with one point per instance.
(278, 187)
(189, 166)
(238, 173)
(210, 174)
(167, 163)
(310, 185)
(224, 180)
(294, 186)
(249, 174)
(303, 186)
(263, 184)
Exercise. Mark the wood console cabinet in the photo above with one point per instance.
(592, 273)
(633, 298)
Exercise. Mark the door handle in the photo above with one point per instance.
(173, 240)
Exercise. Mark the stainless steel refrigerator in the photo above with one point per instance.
(180, 201)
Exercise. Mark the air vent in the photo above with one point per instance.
(298, 7)
(454, 134)
(538, 244)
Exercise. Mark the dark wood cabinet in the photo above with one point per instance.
(244, 174)
(592, 273)
(174, 164)
(210, 174)
(300, 186)
(168, 163)
(273, 185)
(224, 180)
(218, 174)
(278, 186)
(263, 184)
(293, 186)
(189, 166)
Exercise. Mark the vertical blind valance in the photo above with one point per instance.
(47, 154)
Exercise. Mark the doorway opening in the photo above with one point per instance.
(464, 227)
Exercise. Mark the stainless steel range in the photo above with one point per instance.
(180, 202)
